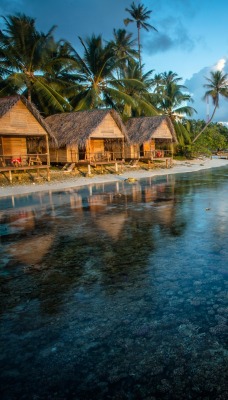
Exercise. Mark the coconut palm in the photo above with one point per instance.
(170, 96)
(217, 86)
(172, 101)
(162, 81)
(140, 15)
(95, 84)
(138, 87)
(170, 77)
(26, 55)
(123, 47)
(157, 82)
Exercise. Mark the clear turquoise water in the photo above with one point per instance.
(116, 291)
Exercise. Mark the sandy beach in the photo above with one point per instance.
(65, 181)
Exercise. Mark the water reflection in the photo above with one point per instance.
(116, 291)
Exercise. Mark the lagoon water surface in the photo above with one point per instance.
(116, 291)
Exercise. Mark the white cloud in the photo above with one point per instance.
(220, 65)
(196, 85)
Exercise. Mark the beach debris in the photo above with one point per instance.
(131, 180)
(69, 168)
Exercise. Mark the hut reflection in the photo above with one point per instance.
(84, 237)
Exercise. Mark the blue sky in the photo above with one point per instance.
(192, 37)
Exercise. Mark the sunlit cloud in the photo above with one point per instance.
(220, 65)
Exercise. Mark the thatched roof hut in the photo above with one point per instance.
(24, 136)
(8, 102)
(143, 129)
(75, 128)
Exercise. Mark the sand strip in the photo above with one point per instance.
(178, 167)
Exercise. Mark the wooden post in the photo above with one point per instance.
(10, 176)
(47, 148)
(88, 146)
(116, 167)
(123, 149)
(89, 169)
(48, 175)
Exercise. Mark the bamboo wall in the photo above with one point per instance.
(20, 121)
(107, 129)
(96, 146)
(64, 155)
(133, 151)
(162, 132)
(15, 147)
(149, 146)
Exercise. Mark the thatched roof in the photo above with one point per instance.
(76, 127)
(141, 129)
(6, 103)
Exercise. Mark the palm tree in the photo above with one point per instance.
(27, 58)
(140, 15)
(123, 47)
(137, 86)
(169, 96)
(217, 86)
(94, 69)
(157, 81)
(95, 84)
(170, 77)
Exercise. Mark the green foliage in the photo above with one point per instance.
(213, 138)
(171, 97)
(29, 61)
(184, 140)
(96, 84)
(57, 78)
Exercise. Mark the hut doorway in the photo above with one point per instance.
(82, 154)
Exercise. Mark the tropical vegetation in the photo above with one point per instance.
(33, 63)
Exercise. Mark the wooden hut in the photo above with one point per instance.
(91, 136)
(150, 138)
(24, 137)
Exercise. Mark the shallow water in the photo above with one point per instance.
(116, 291)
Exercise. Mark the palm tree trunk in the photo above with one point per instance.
(208, 122)
(29, 95)
(139, 47)
(29, 89)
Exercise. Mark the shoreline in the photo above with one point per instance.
(78, 181)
